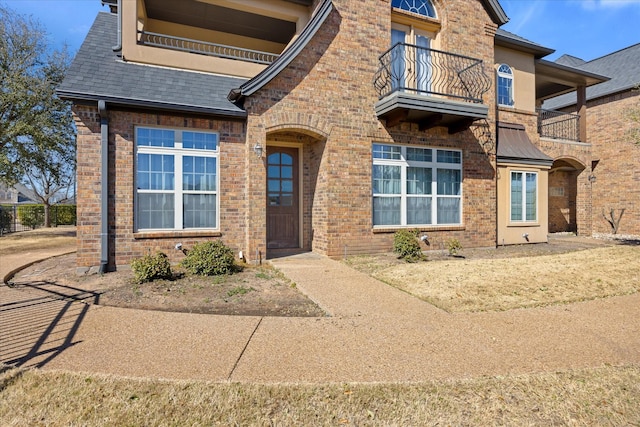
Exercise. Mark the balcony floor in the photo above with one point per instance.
(429, 111)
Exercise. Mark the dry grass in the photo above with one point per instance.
(603, 396)
(41, 238)
(458, 285)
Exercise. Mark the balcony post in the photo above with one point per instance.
(582, 113)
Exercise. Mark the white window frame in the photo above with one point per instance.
(523, 199)
(419, 7)
(178, 152)
(510, 77)
(434, 165)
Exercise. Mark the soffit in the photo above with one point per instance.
(553, 79)
(199, 14)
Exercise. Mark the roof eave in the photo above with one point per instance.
(151, 104)
(496, 12)
(535, 49)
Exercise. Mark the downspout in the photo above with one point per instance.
(104, 191)
(118, 47)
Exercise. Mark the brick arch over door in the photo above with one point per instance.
(563, 194)
(298, 122)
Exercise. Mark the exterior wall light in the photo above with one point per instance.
(258, 150)
(592, 178)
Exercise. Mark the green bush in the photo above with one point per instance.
(210, 258)
(151, 267)
(63, 214)
(407, 245)
(31, 216)
(5, 218)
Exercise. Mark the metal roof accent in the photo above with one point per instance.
(496, 11)
(514, 146)
(97, 73)
(258, 82)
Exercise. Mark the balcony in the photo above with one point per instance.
(204, 48)
(558, 125)
(430, 87)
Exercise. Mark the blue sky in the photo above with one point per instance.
(584, 28)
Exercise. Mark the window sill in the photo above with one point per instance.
(523, 224)
(171, 234)
(434, 228)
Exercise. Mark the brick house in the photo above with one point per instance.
(615, 155)
(314, 125)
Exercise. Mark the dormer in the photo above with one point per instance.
(230, 37)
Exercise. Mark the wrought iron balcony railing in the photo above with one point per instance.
(558, 125)
(425, 71)
(204, 48)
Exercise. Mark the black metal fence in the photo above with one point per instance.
(23, 217)
(410, 68)
(558, 125)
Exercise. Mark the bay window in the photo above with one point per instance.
(176, 179)
(415, 186)
(524, 196)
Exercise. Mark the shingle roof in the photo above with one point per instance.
(623, 67)
(507, 38)
(97, 73)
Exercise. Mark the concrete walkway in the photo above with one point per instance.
(374, 333)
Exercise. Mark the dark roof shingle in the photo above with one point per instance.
(98, 73)
(623, 67)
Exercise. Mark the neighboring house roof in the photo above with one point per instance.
(572, 61)
(28, 195)
(507, 39)
(18, 193)
(623, 68)
(514, 146)
(97, 73)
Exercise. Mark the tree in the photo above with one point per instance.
(37, 135)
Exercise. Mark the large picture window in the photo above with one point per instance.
(524, 196)
(416, 186)
(176, 179)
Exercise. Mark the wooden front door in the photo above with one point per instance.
(283, 214)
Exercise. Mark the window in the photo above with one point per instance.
(524, 196)
(176, 179)
(505, 85)
(420, 7)
(416, 186)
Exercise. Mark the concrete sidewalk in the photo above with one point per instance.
(374, 333)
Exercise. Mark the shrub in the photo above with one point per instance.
(31, 216)
(151, 267)
(64, 214)
(210, 258)
(454, 246)
(5, 218)
(407, 245)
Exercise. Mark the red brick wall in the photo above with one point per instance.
(329, 89)
(325, 101)
(617, 172)
(125, 244)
